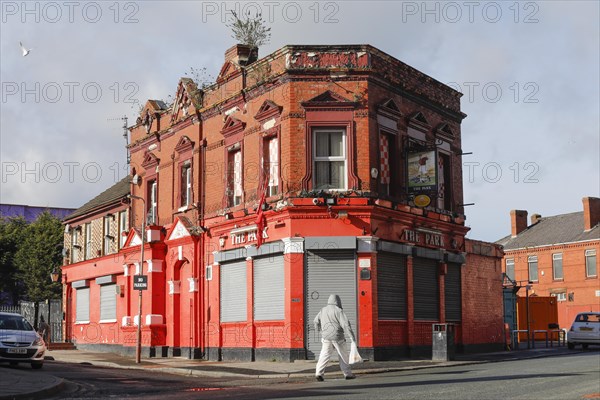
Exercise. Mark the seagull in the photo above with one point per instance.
(24, 50)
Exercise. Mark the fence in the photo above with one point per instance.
(51, 310)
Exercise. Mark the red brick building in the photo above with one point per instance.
(559, 256)
(359, 158)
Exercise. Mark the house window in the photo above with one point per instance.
(88, 241)
(272, 166)
(329, 159)
(152, 202)
(107, 236)
(590, 263)
(235, 183)
(562, 296)
(533, 268)
(385, 174)
(557, 266)
(82, 308)
(108, 303)
(510, 268)
(75, 245)
(186, 184)
(122, 228)
(444, 182)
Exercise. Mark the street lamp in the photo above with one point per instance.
(54, 275)
(138, 345)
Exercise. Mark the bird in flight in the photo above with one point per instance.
(24, 50)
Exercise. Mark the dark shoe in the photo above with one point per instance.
(350, 377)
(320, 378)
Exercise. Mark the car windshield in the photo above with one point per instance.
(588, 318)
(14, 322)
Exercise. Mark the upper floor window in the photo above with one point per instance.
(510, 268)
(152, 202)
(272, 166)
(122, 228)
(590, 263)
(329, 159)
(557, 266)
(234, 179)
(88, 241)
(533, 268)
(108, 238)
(385, 174)
(186, 184)
(75, 245)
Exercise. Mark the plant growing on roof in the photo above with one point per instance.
(252, 31)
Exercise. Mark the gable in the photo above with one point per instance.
(150, 161)
(133, 239)
(267, 109)
(232, 125)
(179, 231)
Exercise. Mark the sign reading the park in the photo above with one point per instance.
(140, 282)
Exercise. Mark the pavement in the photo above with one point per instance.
(23, 383)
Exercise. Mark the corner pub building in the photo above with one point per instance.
(314, 170)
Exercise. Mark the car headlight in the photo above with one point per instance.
(38, 342)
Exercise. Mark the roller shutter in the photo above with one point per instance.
(391, 286)
(425, 288)
(452, 293)
(233, 292)
(329, 272)
(269, 288)
(108, 302)
(82, 308)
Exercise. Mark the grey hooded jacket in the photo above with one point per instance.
(332, 322)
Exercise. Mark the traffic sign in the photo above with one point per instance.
(140, 282)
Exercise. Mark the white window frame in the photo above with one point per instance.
(186, 183)
(556, 257)
(75, 245)
(330, 159)
(235, 177)
(589, 255)
(122, 228)
(88, 241)
(273, 166)
(152, 202)
(106, 245)
(530, 261)
(511, 262)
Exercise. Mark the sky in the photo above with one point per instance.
(528, 71)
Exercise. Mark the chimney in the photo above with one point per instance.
(241, 54)
(591, 212)
(518, 222)
(535, 218)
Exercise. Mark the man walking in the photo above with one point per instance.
(332, 322)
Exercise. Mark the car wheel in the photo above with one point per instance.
(584, 346)
(571, 346)
(37, 365)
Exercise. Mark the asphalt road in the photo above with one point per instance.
(574, 376)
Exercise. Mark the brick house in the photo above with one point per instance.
(311, 171)
(559, 256)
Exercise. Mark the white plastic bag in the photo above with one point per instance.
(354, 357)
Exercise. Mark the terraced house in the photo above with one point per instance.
(311, 171)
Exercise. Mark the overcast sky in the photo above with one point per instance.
(528, 71)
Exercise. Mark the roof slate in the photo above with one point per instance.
(110, 195)
(564, 228)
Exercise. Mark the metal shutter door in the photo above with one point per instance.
(329, 272)
(82, 309)
(108, 302)
(391, 286)
(233, 292)
(269, 289)
(452, 292)
(425, 288)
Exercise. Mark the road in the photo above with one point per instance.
(575, 376)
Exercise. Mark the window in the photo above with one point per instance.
(444, 182)
(533, 268)
(88, 241)
(510, 268)
(557, 266)
(329, 159)
(108, 303)
(272, 165)
(186, 184)
(235, 183)
(82, 309)
(107, 236)
(122, 228)
(384, 156)
(152, 203)
(75, 245)
(560, 296)
(590, 263)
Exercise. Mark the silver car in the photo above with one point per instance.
(585, 330)
(19, 342)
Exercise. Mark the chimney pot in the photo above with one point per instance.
(518, 222)
(241, 54)
(591, 212)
